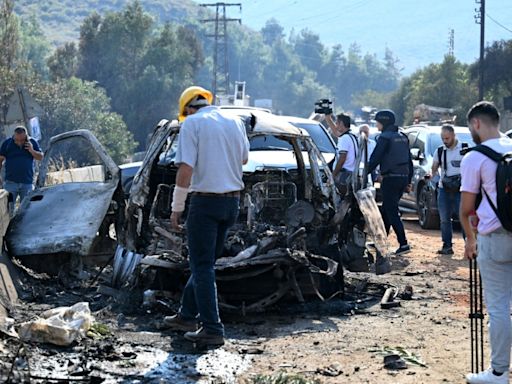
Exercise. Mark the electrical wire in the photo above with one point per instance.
(498, 23)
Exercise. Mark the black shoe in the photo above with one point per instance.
(403, 250)
(202, 337)
(445, 251)
(178, 323)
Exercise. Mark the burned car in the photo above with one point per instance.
(71, 212)
(286, 241)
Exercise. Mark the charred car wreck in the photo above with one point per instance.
(293, 234)
(71, 214)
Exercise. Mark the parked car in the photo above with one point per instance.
(423, 143)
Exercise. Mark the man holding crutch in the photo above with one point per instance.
(494, 250)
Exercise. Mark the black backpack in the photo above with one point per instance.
(503, 210)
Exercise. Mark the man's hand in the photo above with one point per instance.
(175, 221)
(470, 250)
(28, 146)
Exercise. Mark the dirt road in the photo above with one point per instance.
(435, 326)
(334, 342)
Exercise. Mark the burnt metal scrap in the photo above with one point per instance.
(75, 201)
(289, 216)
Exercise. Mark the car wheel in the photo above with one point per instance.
(427, 218)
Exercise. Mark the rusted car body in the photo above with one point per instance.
(286, 242)
(70, 211)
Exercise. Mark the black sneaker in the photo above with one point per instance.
(445, 251)
(403, 250)
(204, 338)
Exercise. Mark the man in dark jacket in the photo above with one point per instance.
(393, 156)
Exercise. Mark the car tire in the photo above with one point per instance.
(427, 217)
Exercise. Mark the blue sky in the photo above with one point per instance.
(417, 31)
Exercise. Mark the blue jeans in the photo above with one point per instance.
(392, 188)
(495, 262)
(448, 204)
(15, 190)
(208, 221)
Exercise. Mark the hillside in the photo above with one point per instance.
(61, 19)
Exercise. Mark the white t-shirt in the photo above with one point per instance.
(453, 160)
(478, 171)
(348, 143)
(215, 144)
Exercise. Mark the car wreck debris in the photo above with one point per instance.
(68, 217)
(59, 326)
(290, 231)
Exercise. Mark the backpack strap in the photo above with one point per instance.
(494, 156)
(439, 152)
(489, 152)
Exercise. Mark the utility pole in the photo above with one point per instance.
(480, 19)
(451, 42)
(220, 82)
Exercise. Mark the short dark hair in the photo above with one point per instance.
(20, 129)
(484, 109)
(345, 119)
(448, 128)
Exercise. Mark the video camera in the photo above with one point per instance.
(323, 106)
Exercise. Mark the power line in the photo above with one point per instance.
(498, 23)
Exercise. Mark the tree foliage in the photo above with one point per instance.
(143, 71)
(497, 70)
(77, 104)
(447, 84)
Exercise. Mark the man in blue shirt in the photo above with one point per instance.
(19, 152)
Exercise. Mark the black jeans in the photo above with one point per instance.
(208, 221)
(393, 188)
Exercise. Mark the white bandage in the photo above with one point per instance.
(179, 196)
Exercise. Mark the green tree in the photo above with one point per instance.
(34, 48)
(497, 70)
(142, 70)
(272, 32)
(63, 63)
(76, 104)
(447, 84)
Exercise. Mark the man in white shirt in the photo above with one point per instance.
(447, 160)
(494, 251)
(347, 151)
(212, 147)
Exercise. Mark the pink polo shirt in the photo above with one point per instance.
(477, 171)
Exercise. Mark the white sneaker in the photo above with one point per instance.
(487, 377)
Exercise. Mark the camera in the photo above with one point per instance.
(323, 106)
(465, 148)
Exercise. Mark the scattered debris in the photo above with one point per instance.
(332, 370)
(394, 362)
(60, 326)
(407, 293)
(388, 299)
(402, 353)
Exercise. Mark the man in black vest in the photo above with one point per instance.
(393, 156)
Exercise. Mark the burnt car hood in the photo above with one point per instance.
(63, 218)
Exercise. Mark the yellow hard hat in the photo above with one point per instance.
(188, 95)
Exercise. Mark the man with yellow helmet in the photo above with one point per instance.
(212, 147)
